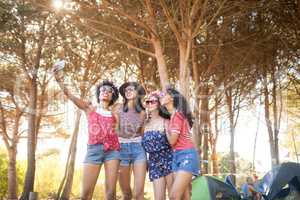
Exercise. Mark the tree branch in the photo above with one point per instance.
(170, 20)
(130, 17)
(121, 29)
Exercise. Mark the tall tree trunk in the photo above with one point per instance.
(185, 48)
(31, 141)
(196, 127)
(275, 114)
(268, 119)
(230, 108)
(214, 160)
(158, 49)
(214, 156)
(183, 69)
(71, 160)
(161, 63)
(12, 173)
(32, 119)
(205, 125)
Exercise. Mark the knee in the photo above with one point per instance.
(174, 196)
(110, 195)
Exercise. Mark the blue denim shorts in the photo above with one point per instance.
(186, 160)
(132, 153)
(96, 155)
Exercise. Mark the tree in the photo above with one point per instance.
(90, 59)
(26, 33)
(4, 179)
(10, 120)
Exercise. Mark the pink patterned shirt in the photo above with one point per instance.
(101, 130)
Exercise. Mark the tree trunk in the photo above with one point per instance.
(268, 120)
(31, 141)
(12, 173)
(196, 127)
(205, 125)
(214, 156)
(232, 128)
(214, 160)
(71, 162)
(276, 116)
(161, 63)
(158, 49)
(184, 55)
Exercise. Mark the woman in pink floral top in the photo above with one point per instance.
(103, 144)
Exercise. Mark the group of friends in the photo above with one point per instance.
(147, 132)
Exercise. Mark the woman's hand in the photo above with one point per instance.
(58, 65)
(57, 69)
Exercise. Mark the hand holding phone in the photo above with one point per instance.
(58, 65)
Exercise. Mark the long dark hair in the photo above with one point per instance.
(181, 104)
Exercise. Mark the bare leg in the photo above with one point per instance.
(89, 180)
(139, 171)
(124, 180)
(111, 176)
(159, 186)
(187, 192)
(181, 183)
(169, 182)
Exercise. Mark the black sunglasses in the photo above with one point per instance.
(151, 102)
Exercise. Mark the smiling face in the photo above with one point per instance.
(130, 92)
(105, 93)
(152, 103)
(165, 98)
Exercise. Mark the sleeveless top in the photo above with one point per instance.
(101, 129)
(131, 123)
(160, 153)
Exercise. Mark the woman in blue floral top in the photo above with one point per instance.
(156, 145)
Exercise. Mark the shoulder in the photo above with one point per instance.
(116, 108)
(143, 113)
(90, 107)
(178, 115)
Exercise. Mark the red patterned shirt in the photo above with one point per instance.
(101, 130)
(179, 125)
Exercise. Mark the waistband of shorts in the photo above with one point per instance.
(129, 140)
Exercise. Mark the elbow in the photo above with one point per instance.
(172, 142)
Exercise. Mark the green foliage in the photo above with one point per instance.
(3, 174)
(242, 165)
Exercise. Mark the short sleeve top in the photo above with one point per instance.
(179, 125)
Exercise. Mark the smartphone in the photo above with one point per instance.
(58, 65)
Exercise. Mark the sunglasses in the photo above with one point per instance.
(151, 102)
(130, 89)
(106, 89)
(162, 94)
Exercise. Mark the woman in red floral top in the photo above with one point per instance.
(103, 144)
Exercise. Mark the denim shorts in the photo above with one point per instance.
(96, 155)
(186, 160)
(132, 153)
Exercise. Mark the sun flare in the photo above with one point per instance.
(58, 4)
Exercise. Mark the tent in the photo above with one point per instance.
(211, 188)
(281, 181)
